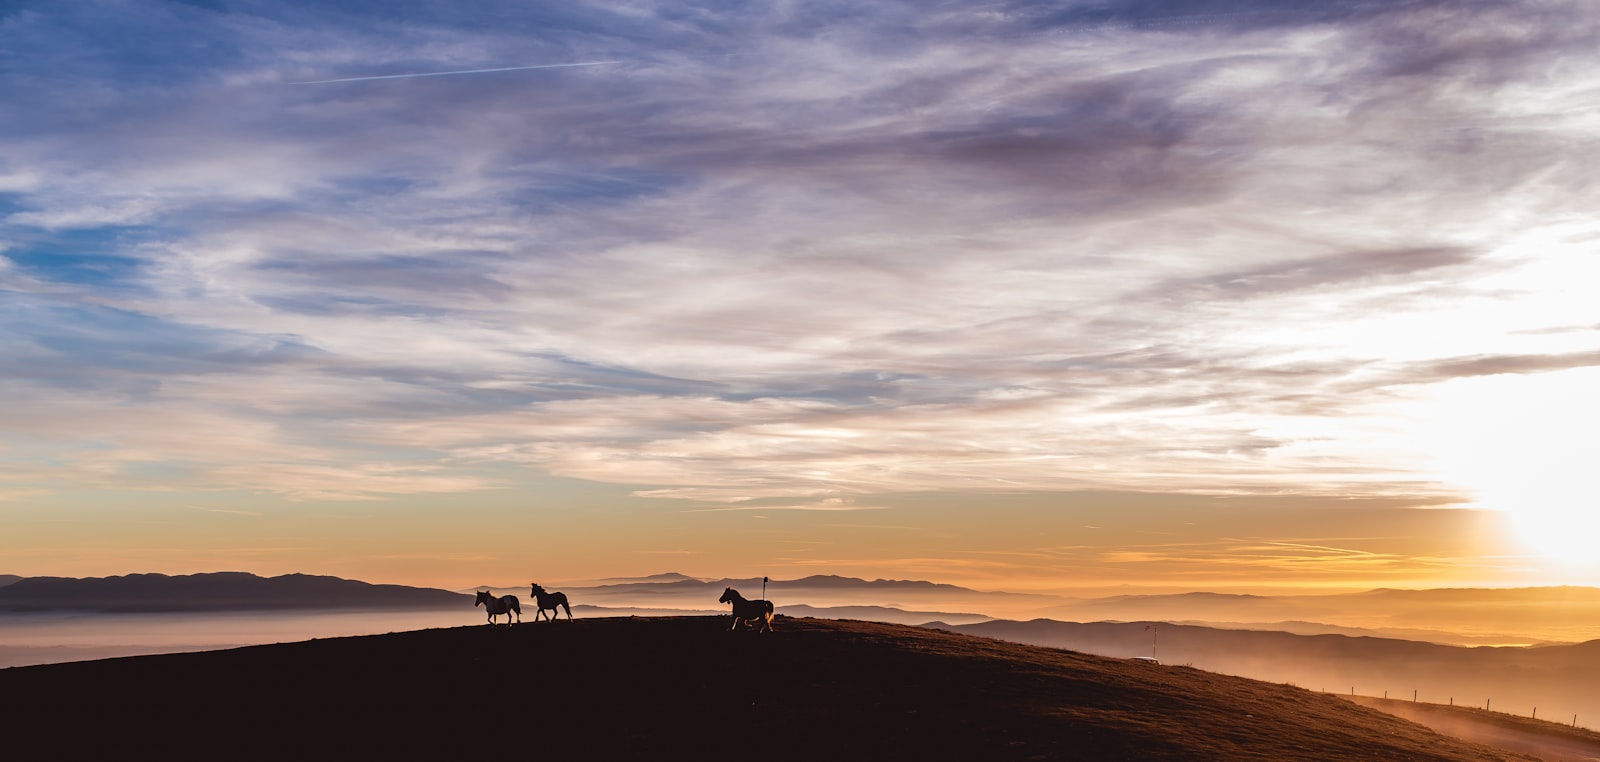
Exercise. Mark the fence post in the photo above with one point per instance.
(1413, 695)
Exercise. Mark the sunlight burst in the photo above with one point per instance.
(1525, 444)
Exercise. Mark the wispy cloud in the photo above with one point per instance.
(796, 257)
(228, 511)
(456, 72)
(831, 504)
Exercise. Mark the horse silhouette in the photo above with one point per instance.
(550, 601)
(748, 612)
(505, 604)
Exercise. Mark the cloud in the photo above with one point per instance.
(228, 511)
(830, 505)
(495, 70)
(19, 494)
(1492, 365)
(802, 254)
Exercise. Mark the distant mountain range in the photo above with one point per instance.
(858, 613)
(658, 594)
(1526, 616)
(1464, 616)
(673, 591)
(218, 591)
(1310, 653)
(1559, 680)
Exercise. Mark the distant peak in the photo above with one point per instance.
(652, 579)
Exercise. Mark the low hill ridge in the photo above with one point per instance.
(686, 686)
(214, 591)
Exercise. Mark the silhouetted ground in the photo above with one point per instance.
(657, 688)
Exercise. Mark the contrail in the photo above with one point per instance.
(452, 73)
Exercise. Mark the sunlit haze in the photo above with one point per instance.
(1201, 295)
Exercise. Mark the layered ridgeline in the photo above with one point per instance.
(658, 688)
(217, 591)
(1555, 682)
(1532, 616)
(1467, 617)
(45, 620)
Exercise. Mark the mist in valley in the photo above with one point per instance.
(1439, 646)
(50, 637)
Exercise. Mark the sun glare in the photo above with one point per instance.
(1526, 444)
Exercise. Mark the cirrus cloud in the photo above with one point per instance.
(807, 253)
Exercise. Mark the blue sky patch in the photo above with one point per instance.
(85, 257)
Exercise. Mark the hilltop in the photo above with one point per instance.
(660, 687)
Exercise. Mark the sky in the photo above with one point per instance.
(1201, 294)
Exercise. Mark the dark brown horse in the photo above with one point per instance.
(505, 604)
(748, 612)
(550, 601)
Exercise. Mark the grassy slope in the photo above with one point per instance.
(611, 688)
(1547, 740)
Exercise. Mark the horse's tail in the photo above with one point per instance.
(516, 605)
(568, 608)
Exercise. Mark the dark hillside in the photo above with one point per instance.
(665, 688)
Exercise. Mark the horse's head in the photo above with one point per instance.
(483, 597)
(728, 594)
(538, 589)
